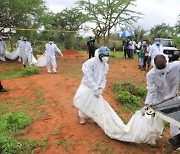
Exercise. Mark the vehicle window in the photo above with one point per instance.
(166, 43)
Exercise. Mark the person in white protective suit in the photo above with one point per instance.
(25, 52)
(51, 48)
(155, 49)
(2, 49)
(95, 70)
(162, 83)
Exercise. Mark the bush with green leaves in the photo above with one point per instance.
(130, 87)
(141, 91)
(127, 98)
(125, 86)
(28, 71)
(8, 145)
(14, 121)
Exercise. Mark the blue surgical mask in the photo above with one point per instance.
(157, 43)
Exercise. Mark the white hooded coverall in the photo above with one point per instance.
(51, 48)
(161, 86)
(2, 50)
(94, 77)
(155, 50)
(25, 52)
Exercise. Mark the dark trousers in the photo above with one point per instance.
(1, 87)
(130, 53)
(91, 53)
(125, 52)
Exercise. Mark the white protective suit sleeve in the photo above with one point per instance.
(151, 88)
(103, 82)
(58, 50)
(87, 69)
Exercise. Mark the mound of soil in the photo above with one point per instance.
(72, 53)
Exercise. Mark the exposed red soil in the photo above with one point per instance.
(72, 53)
(59, 90)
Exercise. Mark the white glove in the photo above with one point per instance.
(97, 93)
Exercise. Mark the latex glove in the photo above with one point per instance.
(97, 93)
(100, 91)
(148, 110)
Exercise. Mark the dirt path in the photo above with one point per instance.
(58, 123)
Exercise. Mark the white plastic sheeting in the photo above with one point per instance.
(140, 129)
(41, 62)
(12, 55)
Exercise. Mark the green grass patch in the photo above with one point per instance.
(14, 121)
(10, 72)
(28, 71)
(130, 95)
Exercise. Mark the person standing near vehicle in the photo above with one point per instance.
(25, 52)
(91, 47)
(155, 49)
(2, 49)
(162, 83)
(51, 49)
(92, 83)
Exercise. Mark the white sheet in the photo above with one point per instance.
(140, 129)
(41, 62)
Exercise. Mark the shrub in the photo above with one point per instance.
(14, 121)
(141, 91)
(8, 145)
(30, 71)
(127, 98)
(125, 86)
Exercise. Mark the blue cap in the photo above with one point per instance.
(104, 50)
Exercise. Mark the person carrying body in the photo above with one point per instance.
(25, 52)
(2, 49)
(162, 83)
(93, 81)
(51, 49)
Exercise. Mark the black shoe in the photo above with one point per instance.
(3, 90)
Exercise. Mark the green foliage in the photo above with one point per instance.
(14, 121)
(129, 94)
(22, 13)
(142, 91)
(28, 71)
(127, 98)
(166, 124)
(108, 14)
(8, 145)
(130, 87)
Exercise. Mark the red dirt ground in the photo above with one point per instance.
(59, 90)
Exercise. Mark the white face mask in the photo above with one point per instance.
(105, 59)
(162, 71)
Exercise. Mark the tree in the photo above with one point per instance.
(162, 30)
(107, 14)
(139, 33)
(21, 13)
(69, 22)
(177, 27)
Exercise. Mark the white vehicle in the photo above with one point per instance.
(169, 48)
